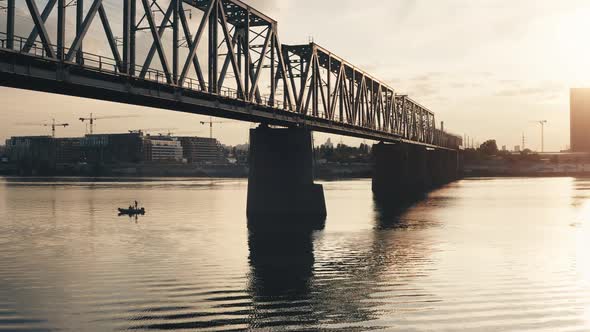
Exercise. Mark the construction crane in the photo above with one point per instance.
(52, 125)
(141, 131)
(211, 122)
(93, 118)
(175, 133)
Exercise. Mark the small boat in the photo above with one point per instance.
(131, 211)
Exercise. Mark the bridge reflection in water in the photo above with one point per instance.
(291, 288)
(246, 75)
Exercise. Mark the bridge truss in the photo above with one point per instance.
(214, 57)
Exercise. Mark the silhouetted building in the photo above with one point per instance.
(202, 150)
(162, 149)
(112, 148)
(32, 154)
(68, 150)
(580, 120)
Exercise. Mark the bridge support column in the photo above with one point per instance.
(401, 173)
(280, 182)
(445, 166)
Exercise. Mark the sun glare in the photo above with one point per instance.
(571, 47)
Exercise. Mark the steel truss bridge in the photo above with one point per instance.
(213, 57)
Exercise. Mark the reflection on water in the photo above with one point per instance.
(481, 254)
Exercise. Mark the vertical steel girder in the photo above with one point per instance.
(314, 82)
(213, 47)
(132, 34)
(79, 22)
(10, 14)
(61, 28)
(175, 42)
(126, 36)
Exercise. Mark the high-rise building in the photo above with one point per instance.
(580, 120)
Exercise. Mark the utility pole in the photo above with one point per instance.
(523, 142)
(542, 123)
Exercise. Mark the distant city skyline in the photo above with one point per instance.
(489, 69)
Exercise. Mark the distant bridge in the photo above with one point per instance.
(223, 58)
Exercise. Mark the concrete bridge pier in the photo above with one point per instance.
(280, 182)
(401, 172)
(405, 172)
(444, 165)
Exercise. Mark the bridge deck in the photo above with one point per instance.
(258, 80)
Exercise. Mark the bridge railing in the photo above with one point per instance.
(109, 65)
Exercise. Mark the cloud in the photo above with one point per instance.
(545, 90)
(404, 10)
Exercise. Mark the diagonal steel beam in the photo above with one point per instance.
(33, 35)
(230, 50)
(304, 76)
(110, 38)
(40, 26)
(281, 57)
(309, 92)
(196, 40)
(258, 71)
(154, 47)
(336, 89)
(157, 40)
(226, 64)
(187, 36)
(84, 29)
(250, 77)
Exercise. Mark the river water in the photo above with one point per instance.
(477, 255)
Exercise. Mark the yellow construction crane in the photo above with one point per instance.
(52, 125)
(211, 122)
(93, 118)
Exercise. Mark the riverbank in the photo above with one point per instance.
(322, 171)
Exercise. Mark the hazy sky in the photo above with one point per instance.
(489, 69)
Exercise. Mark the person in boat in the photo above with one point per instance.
(136, 205)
